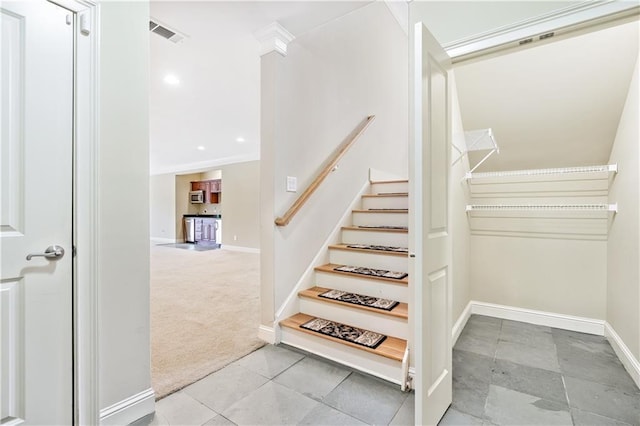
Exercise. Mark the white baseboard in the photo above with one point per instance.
(239, 248)
(158, 240)
(549, 319)
(629, 361)
(460, 323)
(130, 409)
(267, 334)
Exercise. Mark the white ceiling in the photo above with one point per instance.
(218, 65)
(553, 105)
(556, 105)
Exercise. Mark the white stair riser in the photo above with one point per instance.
(380, 323)
(369, 287)
(378, 219)
(369, 260)
(378, 188)
(381, 238)
(367, 362)
(385, 203)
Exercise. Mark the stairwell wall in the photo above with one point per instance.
(623, 251)
(330, 80)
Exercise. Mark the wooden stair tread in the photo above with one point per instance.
(358, 228)
(386, 195)
(401, 310)
(390, 181)
(330, 266)
(382, 211)
(391, 347)
(346, 247)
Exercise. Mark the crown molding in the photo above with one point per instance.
(273, 38)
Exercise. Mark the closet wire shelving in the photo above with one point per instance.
(593, 210)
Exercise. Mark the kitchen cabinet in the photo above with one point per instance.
(212, 189)
(205, 229)
(215, 185)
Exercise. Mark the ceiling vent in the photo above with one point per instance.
(165, 31)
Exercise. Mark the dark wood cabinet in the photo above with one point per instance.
(212, 189)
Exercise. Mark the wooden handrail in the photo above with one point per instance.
(302, 199)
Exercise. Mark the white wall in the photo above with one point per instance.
(240, 203)
(623, 270)
(123, 232)
(330, 80)
(460, 224)
(162, 202)
(552, 275)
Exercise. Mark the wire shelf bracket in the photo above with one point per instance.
(478, 140)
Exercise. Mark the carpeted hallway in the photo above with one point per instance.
(205, 308)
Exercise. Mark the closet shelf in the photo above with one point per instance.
(543, 207)
(608, 168)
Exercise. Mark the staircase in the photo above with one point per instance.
(382, 221)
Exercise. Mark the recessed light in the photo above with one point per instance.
(240, 140)
(171, 80)
(201, 148)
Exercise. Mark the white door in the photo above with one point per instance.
(36, 212)
(431, 241)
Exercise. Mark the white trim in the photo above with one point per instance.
(130, 409)
(239, 248)
(274, 38)
(86, 210)
(267, 334)
(630, 362)
(561, 21)
(460, 323)
(549, 319)
(366, 362)
(201, 166)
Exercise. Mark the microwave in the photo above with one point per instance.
(196, 197)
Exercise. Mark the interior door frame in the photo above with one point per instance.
(86, 190)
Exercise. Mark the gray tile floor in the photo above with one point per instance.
(504, 373)
(513, 373)
(282, 386)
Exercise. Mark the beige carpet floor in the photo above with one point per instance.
(205, 311)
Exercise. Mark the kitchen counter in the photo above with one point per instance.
(215, 216)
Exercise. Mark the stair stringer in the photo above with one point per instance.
(291, 304)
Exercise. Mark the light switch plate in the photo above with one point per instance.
(292, 184)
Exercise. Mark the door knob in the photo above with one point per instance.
(53, 252)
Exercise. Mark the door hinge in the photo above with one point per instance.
(85, 24)
(73, 251)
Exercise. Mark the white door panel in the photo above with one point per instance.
(430, 238)
(36, 212)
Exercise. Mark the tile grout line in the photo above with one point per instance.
(495, 354)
